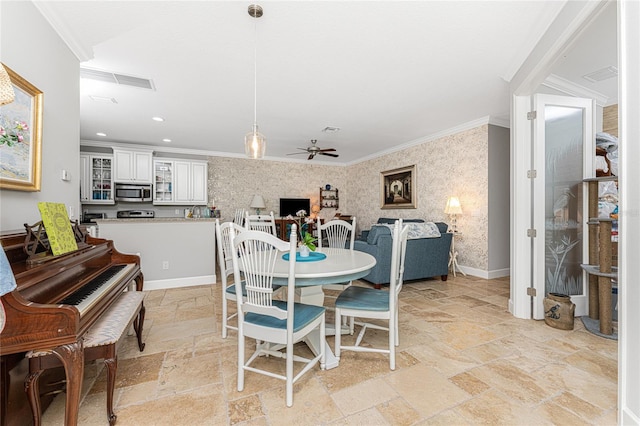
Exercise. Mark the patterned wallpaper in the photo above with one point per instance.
(234, 181)
(451, 165)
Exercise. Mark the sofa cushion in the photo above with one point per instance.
(423, 230)
(376, 231)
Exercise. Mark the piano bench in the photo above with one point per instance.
(100, 342)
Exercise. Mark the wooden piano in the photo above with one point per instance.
(56, 301)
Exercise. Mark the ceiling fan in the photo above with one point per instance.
(314, 150)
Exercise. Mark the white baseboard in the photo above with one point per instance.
(179, 282)
(487, 275)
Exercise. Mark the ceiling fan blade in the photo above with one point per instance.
(330, 155)
(296, 153)
(326, 150)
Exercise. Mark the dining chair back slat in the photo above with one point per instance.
(225, 263)
(261, 222)
(272, 322)
(368, 303)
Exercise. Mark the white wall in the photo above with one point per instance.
(30, 47)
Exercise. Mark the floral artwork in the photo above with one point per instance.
(20, 137)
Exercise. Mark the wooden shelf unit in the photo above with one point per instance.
(329, 198)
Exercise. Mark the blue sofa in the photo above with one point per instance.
(425, 258)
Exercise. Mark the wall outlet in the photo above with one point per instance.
(165, 264)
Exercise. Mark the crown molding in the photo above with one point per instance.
(66, 34)
(570, 88)
(444, 133)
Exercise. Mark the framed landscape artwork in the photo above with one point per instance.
(21, 137)
(398, 188)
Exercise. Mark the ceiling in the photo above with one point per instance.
(387, 74)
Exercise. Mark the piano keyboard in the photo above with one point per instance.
(84, 298)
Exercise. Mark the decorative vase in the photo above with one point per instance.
(559, 311)
(304, 251)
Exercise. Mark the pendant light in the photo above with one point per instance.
(255, 143)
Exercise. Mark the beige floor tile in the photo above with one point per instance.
(363, 396)
(426, 390)
(462, 360)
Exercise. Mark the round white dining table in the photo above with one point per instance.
(340, 265)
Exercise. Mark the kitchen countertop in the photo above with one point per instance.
(156, 220)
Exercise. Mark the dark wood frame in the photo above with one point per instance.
(407, 194)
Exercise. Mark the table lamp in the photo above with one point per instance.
(257, 203)
(453, 209)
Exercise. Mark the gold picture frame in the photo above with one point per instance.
(397, 188)
(20, 145)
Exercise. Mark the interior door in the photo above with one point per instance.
(564, 150)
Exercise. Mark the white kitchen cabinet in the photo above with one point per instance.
(163, 181)
(180, 182)
(96, 181)
(190, 182)
(133, 166)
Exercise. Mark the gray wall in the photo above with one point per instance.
(499, 157)
(32, 49)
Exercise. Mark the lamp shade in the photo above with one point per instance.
(7, 95)
(257, 202)
(453, 206)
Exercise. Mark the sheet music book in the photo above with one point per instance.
(56, 223)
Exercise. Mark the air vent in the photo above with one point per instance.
(330, 129)
(602, 74)
(109, 77)
(103, 99)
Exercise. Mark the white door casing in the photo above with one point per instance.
(547, 227)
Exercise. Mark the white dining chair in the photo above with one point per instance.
(338, 233)
(369, 303)
(238, 218)
(229, 292)
(261, 222)
(269, 321)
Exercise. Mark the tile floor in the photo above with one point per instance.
(462, 360)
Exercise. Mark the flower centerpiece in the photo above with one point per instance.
(306, 240)
(16, 134)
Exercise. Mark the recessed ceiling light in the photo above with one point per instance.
(331, 129)
(166, 140)
(101, 134)
(157, 118)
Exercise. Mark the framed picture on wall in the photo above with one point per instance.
(397, 188)
(21, 137)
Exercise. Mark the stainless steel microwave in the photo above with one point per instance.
(133, 193)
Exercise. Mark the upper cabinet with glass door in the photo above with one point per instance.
(163, 187)
(96, 185)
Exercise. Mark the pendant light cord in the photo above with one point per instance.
(255, 75)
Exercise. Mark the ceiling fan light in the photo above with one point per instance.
(255, 144)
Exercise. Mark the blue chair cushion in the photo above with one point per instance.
(362, 298)
(302, 316)
(232, 289)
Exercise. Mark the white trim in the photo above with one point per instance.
(179, 282)
(570, 88)
(444, 133)
(629, 207)
(520, 208)
(199, 152)
(67, 35)
(487, 275)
